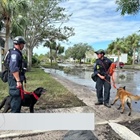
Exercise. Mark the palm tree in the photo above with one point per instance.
(116, 47)
(128, 6)
(9, 12)
(51, 45)
(110, 48)
(58, 50)
(133, 43)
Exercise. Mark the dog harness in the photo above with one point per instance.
(22, 92)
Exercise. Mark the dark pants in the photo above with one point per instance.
(103, 90)
(15, 94)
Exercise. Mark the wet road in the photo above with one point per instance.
(130, 79)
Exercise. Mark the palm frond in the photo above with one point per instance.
(128, 6)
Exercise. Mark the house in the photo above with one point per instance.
(90, 55)
(123, 57)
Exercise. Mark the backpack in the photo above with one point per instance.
(5, 62)
(94, 77)
(4, 76)
(112, 68)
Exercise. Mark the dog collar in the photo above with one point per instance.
(36, 97)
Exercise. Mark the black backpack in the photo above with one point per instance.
(5, 62)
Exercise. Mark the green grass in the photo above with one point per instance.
(57, 96)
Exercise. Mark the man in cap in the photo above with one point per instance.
(101, 68)
(15, 78)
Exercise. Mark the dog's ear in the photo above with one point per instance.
(124, 87)
(38, 90)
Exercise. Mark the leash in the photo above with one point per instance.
(22, 92)
(111, 84)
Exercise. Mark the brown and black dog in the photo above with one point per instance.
(125, 97)
(28, 101)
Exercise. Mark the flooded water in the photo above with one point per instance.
(130, 79)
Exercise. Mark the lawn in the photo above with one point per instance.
(57, 96)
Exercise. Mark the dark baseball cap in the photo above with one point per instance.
(100, 52)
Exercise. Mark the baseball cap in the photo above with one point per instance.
(100, 52)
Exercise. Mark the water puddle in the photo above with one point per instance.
(129, 78)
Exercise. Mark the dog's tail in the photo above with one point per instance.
(3, 102)
(135, 97)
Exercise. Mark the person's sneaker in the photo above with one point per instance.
(107, 105)
(98, 103)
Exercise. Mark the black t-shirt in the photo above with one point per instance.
(102, 66)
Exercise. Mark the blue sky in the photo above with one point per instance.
(97, 23)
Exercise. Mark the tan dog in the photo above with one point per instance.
(125, 97)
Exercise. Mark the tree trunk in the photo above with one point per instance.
(7, 35)
(80, 61)
(55, 57)
(6, 46)
(133, 58)
(118, 67)
(118, 59)
(29, 57)
(51, 55)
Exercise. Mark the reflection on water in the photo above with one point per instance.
(131, 79)
(132, 83)
(80, 77)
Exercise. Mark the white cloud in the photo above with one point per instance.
(97, 21)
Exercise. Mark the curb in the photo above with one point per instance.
(124, 132)
(22, 134)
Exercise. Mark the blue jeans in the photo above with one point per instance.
(15, 94)
(103, 90)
